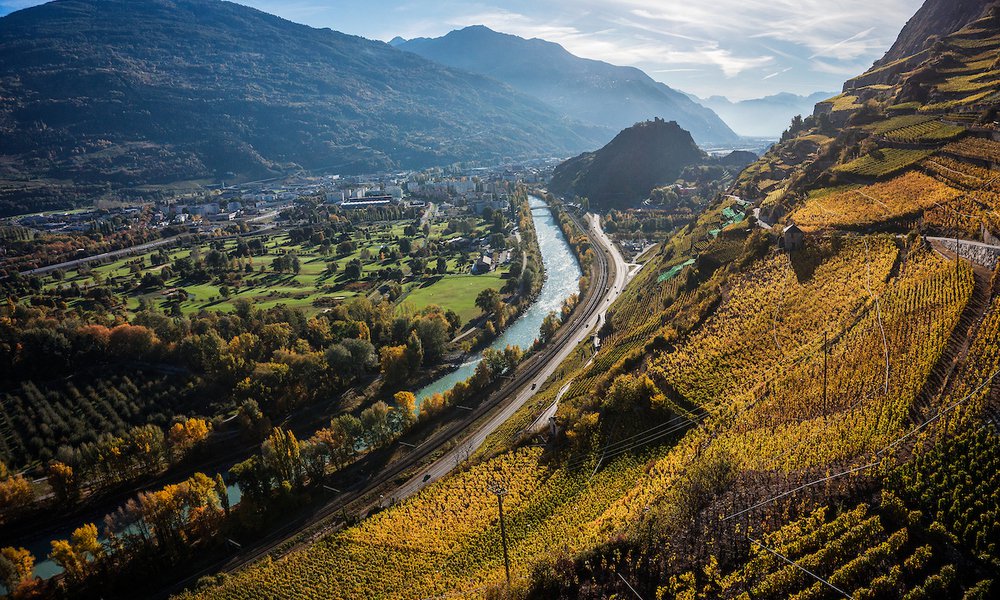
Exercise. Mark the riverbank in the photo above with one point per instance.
(561, 280)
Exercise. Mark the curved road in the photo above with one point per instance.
(611, 277)
(605, 249)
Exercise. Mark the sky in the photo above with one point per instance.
(734, 48)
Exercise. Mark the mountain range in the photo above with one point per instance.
(120, 93)
(584, 90)
(115, 97)
(763, 117)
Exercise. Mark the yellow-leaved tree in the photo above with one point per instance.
(79, 554)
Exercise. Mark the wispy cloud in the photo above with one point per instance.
(739, 48)
(520, 25)
(776, 74)
(849, 48)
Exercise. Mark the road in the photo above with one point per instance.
(430, 211)
(72, 264)
(140, 249)
(540, 422)
(491, 413)
(582, 333)
(760, 220)
(963, 242)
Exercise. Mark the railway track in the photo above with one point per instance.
(360, 501)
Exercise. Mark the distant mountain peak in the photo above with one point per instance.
(640, 158)
(480, 28)
(767, 116)
(397, 41)
(247, 95)
(585, 90)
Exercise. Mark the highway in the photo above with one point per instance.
(582, 332)
(72, 264)
(469, 431)
(141, 249)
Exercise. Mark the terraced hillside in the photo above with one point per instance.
(914, 139)
(819, 422)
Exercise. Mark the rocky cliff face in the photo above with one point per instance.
(936, 18)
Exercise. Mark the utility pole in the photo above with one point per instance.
(825, 354)
(500, 490)
(958, 252)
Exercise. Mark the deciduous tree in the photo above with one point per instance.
(16, 567)
(406, 405)
(185, 435)
(282, 456)
(78, 554)
(375, 420)
(64, 483)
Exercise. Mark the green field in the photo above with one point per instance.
(313, 288)
(457, 292)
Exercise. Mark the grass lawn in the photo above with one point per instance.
(457, 292)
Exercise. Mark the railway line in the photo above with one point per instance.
(608, 282)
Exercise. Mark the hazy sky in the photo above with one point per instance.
(736, 48)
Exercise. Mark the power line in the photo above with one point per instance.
(614, 445)
(642, 443)
(648, 435)
(625, 581)
(940, 414)
(801, 568)
(801, 487)
(646, 439)
(670, 424)
(826, 350)
(878, 453)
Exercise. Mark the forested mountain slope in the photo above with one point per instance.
(817, 421)
(588, 91)
(643, 157)
(102, 95)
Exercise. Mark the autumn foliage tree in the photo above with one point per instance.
(15, 493)
(184, 435)
(64, 482)
(16, 567)
(79, 554)
(394, 364)
(406, 406)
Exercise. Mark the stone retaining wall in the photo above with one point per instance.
(981, 255)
